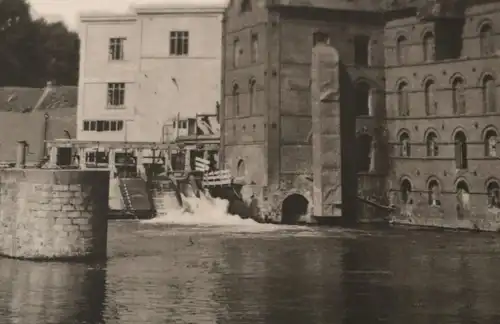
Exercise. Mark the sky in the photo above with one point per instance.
(68, 10)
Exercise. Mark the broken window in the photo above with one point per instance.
(489, 94)
(434, 191)
(493, 195)
(403, 104)
(429, 47)
(490, 143)
(432, 146)
(404, 142)
(362, 99)
(458, 96)
(460, 150)
(406, 192)
(430, 101)
(364, 152)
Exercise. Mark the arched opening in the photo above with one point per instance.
(404, 145)
(486, 44)
(403, 104)
(364, 153)
(493, 190)
(489, 94)
(400, 50)
(406, 192)
(236, 99)
(434, 192)
(293, 208)
(432, 146)
(490, 143)
(463, 195)
(252, 96)
(428, 42)
(458, 96)
(430, 102)
(240, 169)
(362, 99)
(460, 150)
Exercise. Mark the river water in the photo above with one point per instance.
(240, 273)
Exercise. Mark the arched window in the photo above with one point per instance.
(362, 99)
(403, 104)
(489, 94)
(404, 142)
(431, 144)
(252, 93)
(463, 195)
(486, 44)
(240, 169)
(430, 101)
(428, 42)
(401, 50)
(460, 150)
(493, 190)
(364, 153)
(490, 143)
(236, 100)
(458, 91)
(406, 192)
(434, 193)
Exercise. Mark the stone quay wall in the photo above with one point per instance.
(53, 214)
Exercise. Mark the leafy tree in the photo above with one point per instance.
(33, 52)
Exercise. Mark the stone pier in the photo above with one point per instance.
(53, 214)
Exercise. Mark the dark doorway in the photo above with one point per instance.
(293, 207)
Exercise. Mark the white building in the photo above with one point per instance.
(139, 71)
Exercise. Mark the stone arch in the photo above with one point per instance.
(461, 183)
(457, 75)
(487, 128)
(398, 83)
(456, 130)
(293, 208)
(488, 73)
(431, 130)
(482, 23)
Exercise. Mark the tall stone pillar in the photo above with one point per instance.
(325, 102)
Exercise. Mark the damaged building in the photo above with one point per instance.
(364, 110)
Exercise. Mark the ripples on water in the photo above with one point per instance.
(162, 272)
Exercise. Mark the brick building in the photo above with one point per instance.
(418, 102)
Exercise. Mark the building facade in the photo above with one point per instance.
(144, 73)
(418, 105)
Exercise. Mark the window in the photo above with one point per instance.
(241, 169)
(361, 51)
(490, 143)
(116, 95)
(236, 100)
(179, 43)
(406, 192)
(458, 91)
(401, 50)
(102, 125)
(362, 99)
(404, 142)
(252, 91)
(493, 190)
(182, 124)
(403, 104)
(429, 47)
(320, 38)
(434, 191)
(430, 102)
(255, 48)
(116, 49)
(246, 6)
(237, 50)
(431, 144)
(486, 45)
(460, 150)
(364, 152)
(463, 196)
(489, 94)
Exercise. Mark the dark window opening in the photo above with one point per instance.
(434, 193)
(362, 99)
(361, 50)
(461, 150)
(406, 189)
(403, 103)
(486, 44)
(432, 146)
(401, 50)
(405, 146)
(430, 98)
(320, 38)
(489, 94)
(364, 153)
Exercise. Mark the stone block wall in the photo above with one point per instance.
(53, 214)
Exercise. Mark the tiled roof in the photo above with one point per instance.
(15, 126)
(24, 99)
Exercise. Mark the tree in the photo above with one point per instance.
(33, 52)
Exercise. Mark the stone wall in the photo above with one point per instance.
(53, 214)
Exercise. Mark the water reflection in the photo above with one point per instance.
(51, 292)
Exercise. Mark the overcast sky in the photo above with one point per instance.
(68, 10)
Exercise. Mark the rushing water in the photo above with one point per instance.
(231, 271)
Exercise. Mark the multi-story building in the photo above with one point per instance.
(143, 72)
(418, 105)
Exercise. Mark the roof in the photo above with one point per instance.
(15, 126)
(19, 99)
